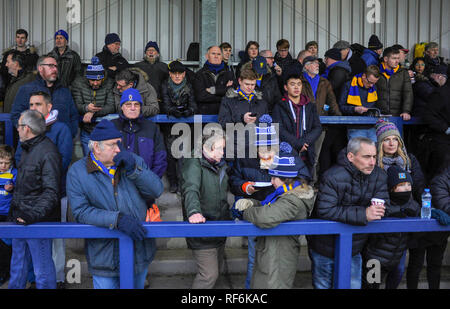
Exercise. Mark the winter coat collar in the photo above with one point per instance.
(29, 144)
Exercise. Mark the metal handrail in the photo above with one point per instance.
(343, 232)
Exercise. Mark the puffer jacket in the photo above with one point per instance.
(69, 65)
(204, 190)
(96, 201)
(83, 95)
(150, 107)
(208, 103)
(277, 257)
(370, 57)
(142, 137)
(396, 94)
(344, 194)
(388, 248)
(37, 189)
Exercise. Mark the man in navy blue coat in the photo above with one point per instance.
(47, 81)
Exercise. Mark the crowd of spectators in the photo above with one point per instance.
(303, 169)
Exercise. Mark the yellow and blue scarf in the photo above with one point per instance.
(386, 72)
(108, 171)
(272, 198)
(249, 98)
(354, 97)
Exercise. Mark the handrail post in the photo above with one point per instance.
(126, 252)
(343, 261)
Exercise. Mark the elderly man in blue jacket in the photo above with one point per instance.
(109, 188)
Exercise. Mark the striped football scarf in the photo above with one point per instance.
(386, 72)
(108, 171)
(272, 198)
(249, 98)
(354, 96)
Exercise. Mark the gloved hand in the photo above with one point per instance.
(126, 158)
(174, 112)
(188, 113)
(441, 216)
(243, 204)
(131, 226)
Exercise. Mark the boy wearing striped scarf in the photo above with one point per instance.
(358, 98)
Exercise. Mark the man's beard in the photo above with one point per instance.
(152, 60)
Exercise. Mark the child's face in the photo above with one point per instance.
(403, 187)
(5, 165)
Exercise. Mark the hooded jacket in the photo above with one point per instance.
(344, 194)
(83, 95)
(142, 137)
(370, 57)
(150, 107)
(277, 257)
(338, 76)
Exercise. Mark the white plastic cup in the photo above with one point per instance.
(377, 202)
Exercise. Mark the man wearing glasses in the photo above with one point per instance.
(359, 98)
(47, 81)
(35, 199)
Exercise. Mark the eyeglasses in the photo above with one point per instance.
(50, 65)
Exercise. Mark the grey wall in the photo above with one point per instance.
(174, 24)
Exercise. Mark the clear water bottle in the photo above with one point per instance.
(426, 205)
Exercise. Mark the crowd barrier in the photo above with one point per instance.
(343, 232)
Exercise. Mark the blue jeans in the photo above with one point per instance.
(323, 271)
(251, 261)
(38, 252)
(369, 133)
(84, 138)
(113, 283)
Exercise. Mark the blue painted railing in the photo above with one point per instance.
(343, 232)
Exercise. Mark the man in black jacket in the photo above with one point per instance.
(110, 57)
(212, 82)
(36, 199)
(345, 195)
(69, 62)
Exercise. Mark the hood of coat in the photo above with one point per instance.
(302, 192)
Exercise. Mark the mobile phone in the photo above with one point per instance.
(253, 115)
